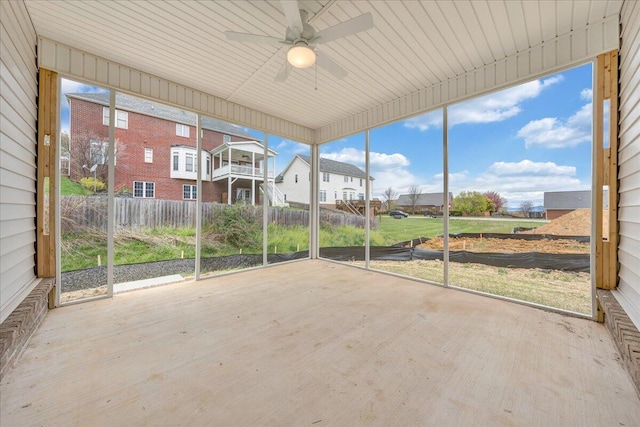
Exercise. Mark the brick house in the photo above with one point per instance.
(558, 203)
(425, 202)
(156, 154)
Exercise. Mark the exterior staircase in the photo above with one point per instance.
(275, 196)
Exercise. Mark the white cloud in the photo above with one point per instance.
(287, 146)
(520, 181)
(494, 107)
(551, 132)
(388, 170)
(527, 167)
(70, 86)
(586, 94)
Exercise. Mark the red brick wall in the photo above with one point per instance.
(142, 132)
(557, 213)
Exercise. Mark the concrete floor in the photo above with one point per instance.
(320, 344)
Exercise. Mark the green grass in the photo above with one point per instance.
(400, 230)
(72, 188)
(560, 289)
(81, 250)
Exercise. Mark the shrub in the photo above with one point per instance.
(239, 225)
(91, 184)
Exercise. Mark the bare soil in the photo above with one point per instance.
(563, 246)
(576, 223)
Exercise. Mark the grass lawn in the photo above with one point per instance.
(71, 188)
(400, 230)
(559, 289)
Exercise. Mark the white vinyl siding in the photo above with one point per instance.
(628, 292)
(18, 114)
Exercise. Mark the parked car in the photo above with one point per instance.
(398, 214)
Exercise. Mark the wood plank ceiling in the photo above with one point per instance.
(414, 45)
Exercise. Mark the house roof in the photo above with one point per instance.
(424, 199)
(328, 165)
(161, 111)
(340, 168)
(567, 199)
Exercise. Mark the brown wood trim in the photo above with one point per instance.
(606, 164)
(46, 174)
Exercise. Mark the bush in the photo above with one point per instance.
(239, 225)
(91, 184)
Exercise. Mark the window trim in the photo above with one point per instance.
(121, 115)
(193, 191)
(148, 155)
(180, 130)
(145, 186)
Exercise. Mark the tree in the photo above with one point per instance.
(414, 195)
(471, 203)
(388, 196)
(498, 201)
(526, 208)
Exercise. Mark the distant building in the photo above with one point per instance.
(425, 202)
(156, 154)
(558, 203)
(338, 181)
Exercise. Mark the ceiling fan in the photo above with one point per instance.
(303, 38)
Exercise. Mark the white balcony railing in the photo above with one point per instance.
(237, 170)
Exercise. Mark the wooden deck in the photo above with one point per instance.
(319, 344)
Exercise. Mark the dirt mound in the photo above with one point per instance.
(576, 223)
(508, 245)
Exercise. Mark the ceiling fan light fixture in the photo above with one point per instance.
(301, 55)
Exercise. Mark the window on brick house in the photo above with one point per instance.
(176, 161)
(99, 152)
(189, 192)
(148, 155)
(122, 118)
(144, 189)
(182, 130)
(226, 138)
(190, 164)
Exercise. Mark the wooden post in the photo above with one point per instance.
(47, 169)
(606, 172)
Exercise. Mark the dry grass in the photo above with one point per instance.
(509, 245)
(558, 289)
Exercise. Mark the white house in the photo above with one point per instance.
(337, 181)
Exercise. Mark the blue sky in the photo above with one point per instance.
(519, 142)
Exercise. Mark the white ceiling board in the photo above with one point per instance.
(415, 46)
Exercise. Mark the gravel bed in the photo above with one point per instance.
(97, 276)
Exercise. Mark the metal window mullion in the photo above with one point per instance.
(265, 199)
(198, 196)
(594, 186)
(111, 192)
(367, 207)
(445, 188)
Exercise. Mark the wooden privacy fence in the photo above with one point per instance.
(82, 212)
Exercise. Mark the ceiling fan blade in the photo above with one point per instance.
(331, 66)
(292, 13)
(252, 38)
(346, 28)
(283, 73)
